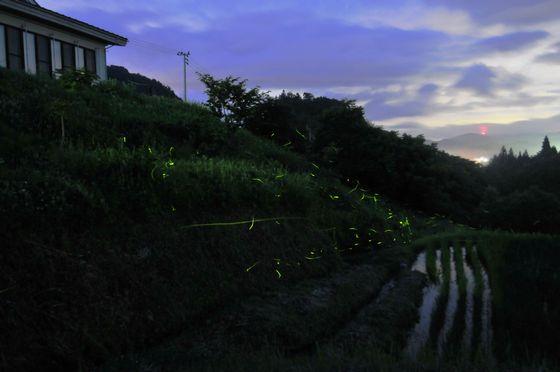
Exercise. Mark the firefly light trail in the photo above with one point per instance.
(237, 223)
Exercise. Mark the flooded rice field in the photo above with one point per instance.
(456, 309)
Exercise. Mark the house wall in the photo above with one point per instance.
(56, 35)
(3, 62)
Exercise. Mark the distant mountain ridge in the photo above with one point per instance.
(473, 146)
(142, 84)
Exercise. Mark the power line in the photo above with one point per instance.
(166, 50)
(149, 45)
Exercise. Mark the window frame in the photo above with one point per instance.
(62, 54)
(7, 46)
(50, 54)
(94, 69)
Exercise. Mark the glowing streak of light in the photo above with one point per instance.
(355, 188)
(6, 290)
(279, 274)
(253, 221)
(252, 266)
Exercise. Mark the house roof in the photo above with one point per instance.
(32, 9)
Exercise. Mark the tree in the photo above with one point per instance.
(546, 149)
(231, 100)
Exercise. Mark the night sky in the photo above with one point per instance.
(411, 64)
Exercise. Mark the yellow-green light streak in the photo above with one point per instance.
(237, 223)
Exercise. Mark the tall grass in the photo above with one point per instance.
(150, 216)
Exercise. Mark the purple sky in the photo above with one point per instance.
(417, 65)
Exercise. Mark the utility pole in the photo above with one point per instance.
(185, 56)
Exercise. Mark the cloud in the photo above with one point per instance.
(406, 126)
(552, 57)
(389, 105)
(299, 51)
(415, 17)
(485, 81)
(532, 126)
(478, 78)
(510, 12)
(510, 42)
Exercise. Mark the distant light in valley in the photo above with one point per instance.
(482, 160)
(483, 130)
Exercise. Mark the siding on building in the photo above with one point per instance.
(56, 35)
(3, 60)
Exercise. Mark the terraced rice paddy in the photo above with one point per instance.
(456, 310)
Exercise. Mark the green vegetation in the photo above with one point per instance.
(525, 293)
(523, 194)
(127, 219)
(335, 134)
(143, 232)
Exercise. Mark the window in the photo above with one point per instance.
(90, 63)
(14, 48)
(68, 57)
(43, 52)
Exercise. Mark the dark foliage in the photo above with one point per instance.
(141, 83)
(525, 191)
(99, 189)
(336, 134)
(230, 99)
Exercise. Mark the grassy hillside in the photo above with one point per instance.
(128, 219)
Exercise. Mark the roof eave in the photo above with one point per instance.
(63, 21)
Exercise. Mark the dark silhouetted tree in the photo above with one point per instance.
(231, 100)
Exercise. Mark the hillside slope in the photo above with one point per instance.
(141, 83)
(127, 219)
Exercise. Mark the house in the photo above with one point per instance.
(40, 41)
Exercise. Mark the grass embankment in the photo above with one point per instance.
(130, 219)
